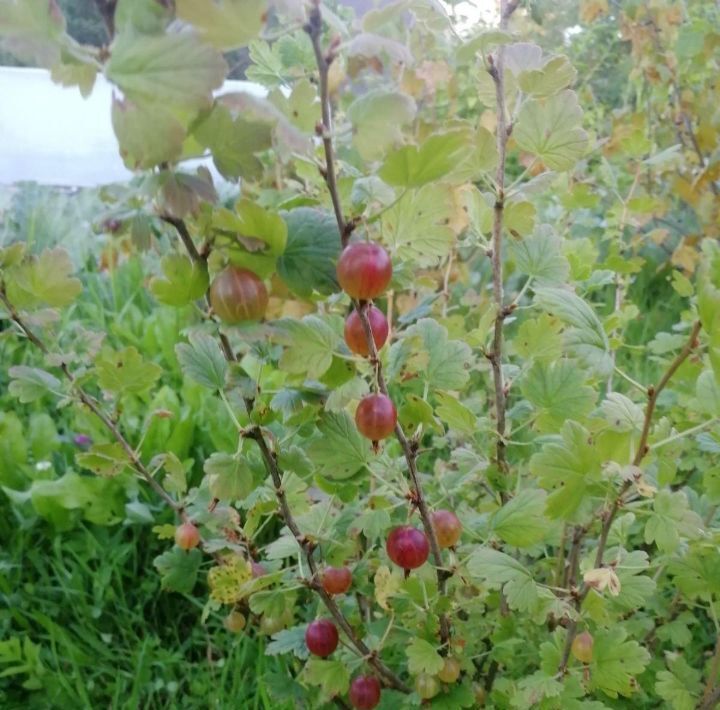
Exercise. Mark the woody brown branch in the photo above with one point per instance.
(314, 30)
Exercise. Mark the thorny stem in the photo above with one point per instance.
(496, 69)
(273, 468)
(608, 517)
(410, 449)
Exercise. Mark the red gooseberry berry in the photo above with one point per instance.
(407, 547)
(375, 417)
(365, 692)
(364, 270)
(237, 295)
(355, 333)
(321, 637)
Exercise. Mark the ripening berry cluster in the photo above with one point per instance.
(364, 271)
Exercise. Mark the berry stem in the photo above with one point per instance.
(314, 30)
(276, 474)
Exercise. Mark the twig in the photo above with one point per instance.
(307, 546)
(324, 129)
(410, 450)
(711, 701)
(609, 516)
(496, 70)
(712, 675)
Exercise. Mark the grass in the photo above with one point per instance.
(106, 635)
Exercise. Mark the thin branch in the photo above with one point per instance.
(711, 701)
(712, 675)
(184, 234)
(410, 450)
(609, 516)
(324, 129)
(496, 69)
(307, 546)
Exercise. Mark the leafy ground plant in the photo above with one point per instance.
(390, 387)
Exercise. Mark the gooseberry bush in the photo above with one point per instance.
(445, 471)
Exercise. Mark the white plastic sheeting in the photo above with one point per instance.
(51, 135)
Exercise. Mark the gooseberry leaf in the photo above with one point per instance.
(183, 281)
(551, 130)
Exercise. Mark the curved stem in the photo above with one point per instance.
(345, 228)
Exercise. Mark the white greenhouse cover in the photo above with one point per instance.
(50, 135)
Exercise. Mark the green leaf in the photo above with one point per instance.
(671, 519)
(550, 130)
(423, 658)
(558, 391)
(226, 24)
(178, 569)
(234, 142)
(339, 452)
(569, 467)
(615, 662)
(172, 69)
(229, 477)
(148, 133)
(539, 339)
(679, 685)
(635, 588)
(141, 16)
(378, 117)
(373, 523)
(502, 571)
(438, 155)
(442, 363)
(707, 391)
(125, 371)
(557, 73)
(301, 107)
(520, 220)
(31, 383)
(313, 247)
(455, 414)
(482, 42)
(417, 225)
(43, 280)
(203, 361)
(521, 521)
(104, 459)
(184, 281)
(622, 413)
(333, 677)
(254, 224)
(289, 641)
(540, 256)
(310, 344)
(482, 157)
(586, 337)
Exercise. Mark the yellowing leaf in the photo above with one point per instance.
(603, 578)
(386, 585)
(226, 580)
